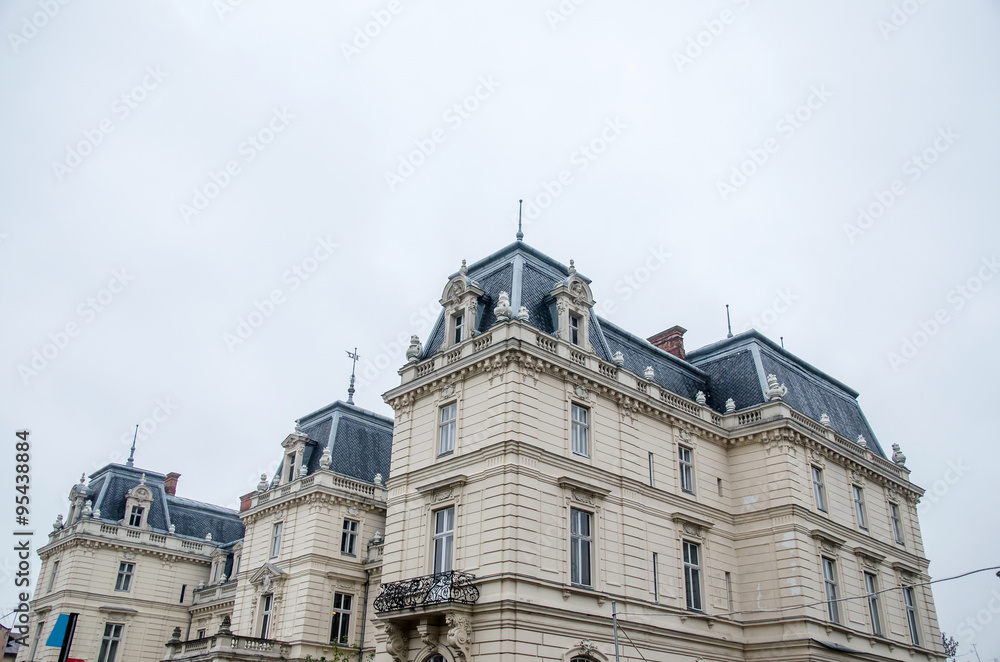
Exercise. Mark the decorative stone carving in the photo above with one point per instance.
(208, 537)
(856, 477)
(649, 373)
(303, 470)
(459, 635)
(443, 495)
(824, 420)
(774, 390)
(97, 513)
(692, 530)
(224, 628)
(503, 311)
(700, 398)
(582, 497)
(395, 643)
(201, 584)
(618, 358)
(447, 391)
(581, 392)
(587, 647)
(378, 480)
(129, 556)
(58, 523)
(353, 511)
(685, 436)
(897, 455)
(730, 406)
(522, 314)
(415, 349)
(862, 441)
(175, 637)
(464, 269)
(88, 508)
(173, 527)
(326, 459)
(262, 485)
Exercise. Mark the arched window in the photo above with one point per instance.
(436, 658)
(580, 658)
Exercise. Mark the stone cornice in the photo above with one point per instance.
(79, 539)
(314, 494)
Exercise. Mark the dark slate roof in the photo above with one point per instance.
(670, 372)
(109, 486)
(360, 441)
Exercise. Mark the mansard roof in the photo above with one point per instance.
(360, 441)
(734, 368)
(108, 490)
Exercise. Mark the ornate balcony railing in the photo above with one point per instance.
(428, 590)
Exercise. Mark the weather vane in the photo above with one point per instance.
(350, 391)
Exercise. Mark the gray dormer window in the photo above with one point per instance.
(459, 327)
(135, 517)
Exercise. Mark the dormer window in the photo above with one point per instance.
(459, 327)
(290, 459)
(574, 329)
(135, 516)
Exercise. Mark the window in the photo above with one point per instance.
(729, 592)
(830, 580)
(692, 575)
(290, 459)
(124, 580)
(40, 629)
(911, 614)
(340, 628)
(349, 537)
(444, 539)
(201, 634)
(656, 578)
(897, 522)
(218, 569)
(184, 588)
(718, 484)
(871, 586)
(580, 541)
(266, 601)
(135, 517)
(687, 469)
(574, 329)
(580, 430)
(52, 577)
(276, 540)
(459, 328)
(818, 489)
(446, 429)
(651, 470)
(236, 565)
(110, 642)
(859, 507)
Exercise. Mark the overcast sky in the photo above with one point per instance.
(168, 168)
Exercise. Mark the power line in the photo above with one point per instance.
(620, 629)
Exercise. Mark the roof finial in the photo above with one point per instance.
(728, 322)
(782, 342)
(350, 390)
(520, 235)
(131, 455)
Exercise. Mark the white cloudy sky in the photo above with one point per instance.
(93, 188)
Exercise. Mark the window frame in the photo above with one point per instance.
(910, 607)
(858, 496)
(40, 628)
(443, 540)
(276, 531)
(693, 585)
(896, 522)
(52, 576)
(581, 569)
(291, 466)
(449, 427)
(652, 472)
(458, 328)
(340, 619)
(349, 537)
(830, 589)
(656, 578)
(685, 467)
(111, 642)
(134, 513)
(819, 488)
(575, 326)
(579, 435)
(266, 615)
(870, 580)
(126, 573)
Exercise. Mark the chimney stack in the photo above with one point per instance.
(671, 341)
(170, 483)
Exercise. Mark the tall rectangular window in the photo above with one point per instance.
(897, 522)
(135, 516)
(911, 614)
(859, 507)
(581, 430)
(871, 587)
(266, 603)
(651, 470)
(581, 540)
(830, 581)
(444, 539)
(459, 328)
(39, 631)
(729, 592)
(291, 467)
(574, 329)
(446, 428)
(656, 577)
(276, 539)
(340, 628)
(184, 588)
(110, 642)
(819, 491)
(52, 577)
(684, 457)
(349, 537)
(124, 580)
(692, 575)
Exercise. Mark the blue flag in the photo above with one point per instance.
(58, 631)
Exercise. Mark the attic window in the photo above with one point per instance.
(459, 327)
(574, 329)
(135, 517)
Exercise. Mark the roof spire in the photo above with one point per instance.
(520, 235)
(350, 390)
(728, 322)
(131, 454)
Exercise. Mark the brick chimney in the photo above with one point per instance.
(170, 483)
(246, 501)
(671, 341)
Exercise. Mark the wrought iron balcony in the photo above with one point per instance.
(428, 590)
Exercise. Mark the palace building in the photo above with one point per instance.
(548, 482)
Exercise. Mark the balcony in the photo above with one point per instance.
(444, 588)
(225, 646)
